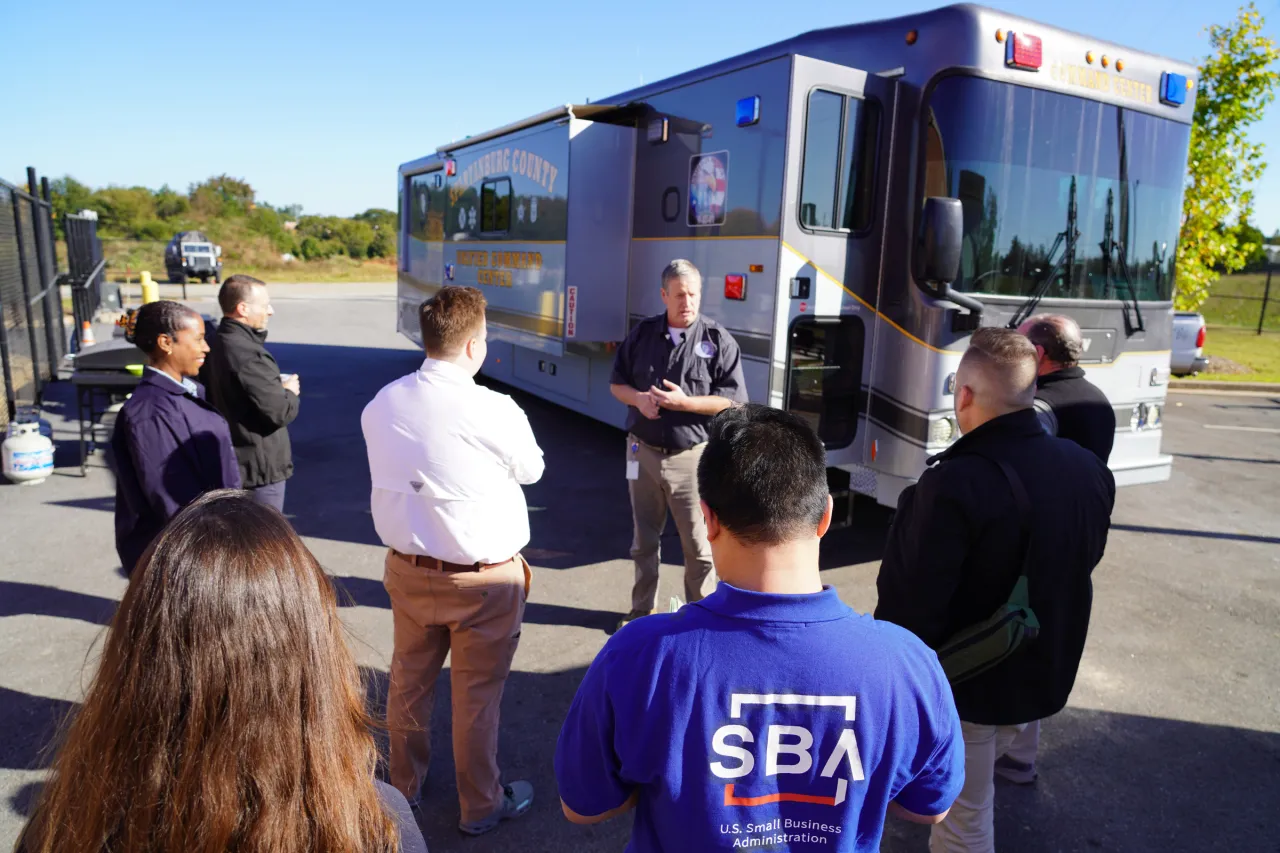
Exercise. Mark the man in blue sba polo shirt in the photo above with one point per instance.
(769, 714)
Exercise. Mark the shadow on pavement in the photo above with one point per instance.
(1207, 458)
(1197, 534)
(24, 801)
(365, 592)
(28, 725)
(17, 598)
(1107, 781)
(580, 513)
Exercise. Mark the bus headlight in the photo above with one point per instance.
(1153, 416)
(943, 430)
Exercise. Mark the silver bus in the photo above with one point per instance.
(859, 200)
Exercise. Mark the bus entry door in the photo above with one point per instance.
(829, 270)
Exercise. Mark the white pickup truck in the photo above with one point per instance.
(1188, 344)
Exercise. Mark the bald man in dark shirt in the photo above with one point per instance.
(1067, 403)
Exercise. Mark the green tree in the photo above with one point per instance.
(222, 196)
(123, 211)
(1236, 83)
(169, 204)
(1250, 235)
(68, 196)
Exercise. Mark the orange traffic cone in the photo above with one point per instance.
(86, 334)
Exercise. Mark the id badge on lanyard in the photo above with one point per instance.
(633, 463)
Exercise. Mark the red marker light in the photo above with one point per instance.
(1023, 51)
(450, 168)
(735, 286)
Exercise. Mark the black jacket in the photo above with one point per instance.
(1073, 407)
(244, 384)
(955, 551)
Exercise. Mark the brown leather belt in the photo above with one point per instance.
(439, 565)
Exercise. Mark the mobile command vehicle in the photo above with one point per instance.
(859, 200)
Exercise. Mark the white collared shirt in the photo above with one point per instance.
(447, 459)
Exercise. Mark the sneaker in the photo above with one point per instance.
(516, 800)
(1015, 771)
(631, 617)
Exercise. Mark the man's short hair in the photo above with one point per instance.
(1059, 336)
(236, 289)
(764, 474)
(678, 269)
(449, 319)
(1006, 362)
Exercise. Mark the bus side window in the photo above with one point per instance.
(861, 133)
(818, 181)
(837, 183)
(495, 206)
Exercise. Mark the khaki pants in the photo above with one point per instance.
(667, 482)
(1025, 745)
(477, 616)
(970, 826)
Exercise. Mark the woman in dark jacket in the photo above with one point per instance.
(169, 445)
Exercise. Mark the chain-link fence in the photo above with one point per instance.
(1246, 300)
(33, 333)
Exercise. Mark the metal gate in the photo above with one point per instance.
(33, 336)
(85, 263)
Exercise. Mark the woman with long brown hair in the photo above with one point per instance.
(227, 713)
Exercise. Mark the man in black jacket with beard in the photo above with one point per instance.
(957, 548)
(245, 385)
(1068, 404)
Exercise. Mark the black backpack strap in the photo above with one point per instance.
(1021, 500)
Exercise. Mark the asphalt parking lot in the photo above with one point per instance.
(1171, 740)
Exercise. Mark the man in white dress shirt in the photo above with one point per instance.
(447, 459)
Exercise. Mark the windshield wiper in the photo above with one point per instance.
(1067, 240)
(1110, 248)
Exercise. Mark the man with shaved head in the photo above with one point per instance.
(1006, 501)
(1068, 404)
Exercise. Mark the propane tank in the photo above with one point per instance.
(28, 454)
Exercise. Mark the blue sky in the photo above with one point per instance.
(317, 103)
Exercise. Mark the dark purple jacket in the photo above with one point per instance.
(169, 448)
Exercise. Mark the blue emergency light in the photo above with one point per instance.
(748, 111)
(1173, 89)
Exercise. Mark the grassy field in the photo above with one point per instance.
(1236, 301)
(258, 258)
(1259, 353)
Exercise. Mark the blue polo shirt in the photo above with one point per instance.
(749, 720)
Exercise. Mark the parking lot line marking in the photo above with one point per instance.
(1243, 428)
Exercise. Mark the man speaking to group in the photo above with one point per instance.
(675, 371)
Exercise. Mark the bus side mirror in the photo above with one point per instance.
(940, 241)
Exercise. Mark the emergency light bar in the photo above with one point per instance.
(1022, 50)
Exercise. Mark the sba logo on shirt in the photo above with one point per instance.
(787, 750)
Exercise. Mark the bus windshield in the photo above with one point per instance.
(1034, 168)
